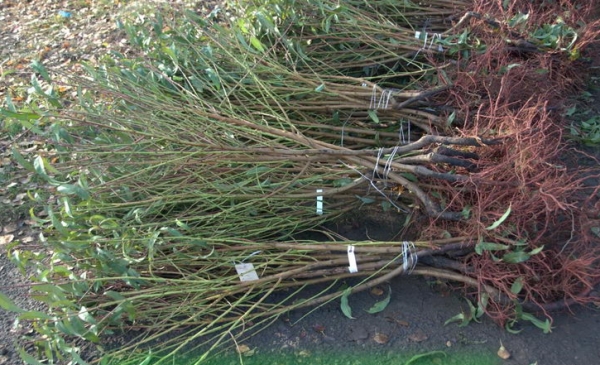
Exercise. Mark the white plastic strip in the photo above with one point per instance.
(409, 259)
(352, 260)
(434, 37)
(319, 202)
(246, 272)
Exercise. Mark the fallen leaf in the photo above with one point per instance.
(399, 322)
(11, 227)
(377, 291)
(417, 336)
(6, 239)
(380, 338)
(319, 328)
(303, 353)
(245, 350)
(19, 198)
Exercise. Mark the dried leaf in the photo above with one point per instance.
(377, 291)
(418, 336)
(402, 323)
(319, 328)
(10, 228)
(242, 349)
(6, 239)
(303, 353)
(503, 352)
(381, 338)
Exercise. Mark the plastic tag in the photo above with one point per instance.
(319, 202)
(352, 260)
(246, 272)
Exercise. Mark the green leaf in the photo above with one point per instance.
(73, 189)
(22, 161)
(31, 315)
(7, 304)
(38, 67)
(509, 328)
(182, 225)
(482, 304)
(22, 116)
(427, 354)
(410, 177)
(381, 305)
(518, 19)
(516, 257)
(373, 116)
(266, 22)
(461, 317)
(499, 221)
(256, 170)
(65, 327)
(466, 212)
(214, 78)
(242, 41)
(257, 44)
(489, 246)
(114, 295)
(472, 312)
(320, 88)
(537, 250)
(57, 223)
(451, 119)
(386, 206)
(517, 286)
(366, 200)
(344, 303)
(85, 315)
(28, 358)
(40, 165)
(544, 325)
(342, 182)
(147, 359)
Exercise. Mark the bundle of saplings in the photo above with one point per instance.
(182, 181)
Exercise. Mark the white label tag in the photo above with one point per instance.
(246, 272)
(352, 260)
(319, 202)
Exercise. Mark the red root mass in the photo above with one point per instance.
(518, 94)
